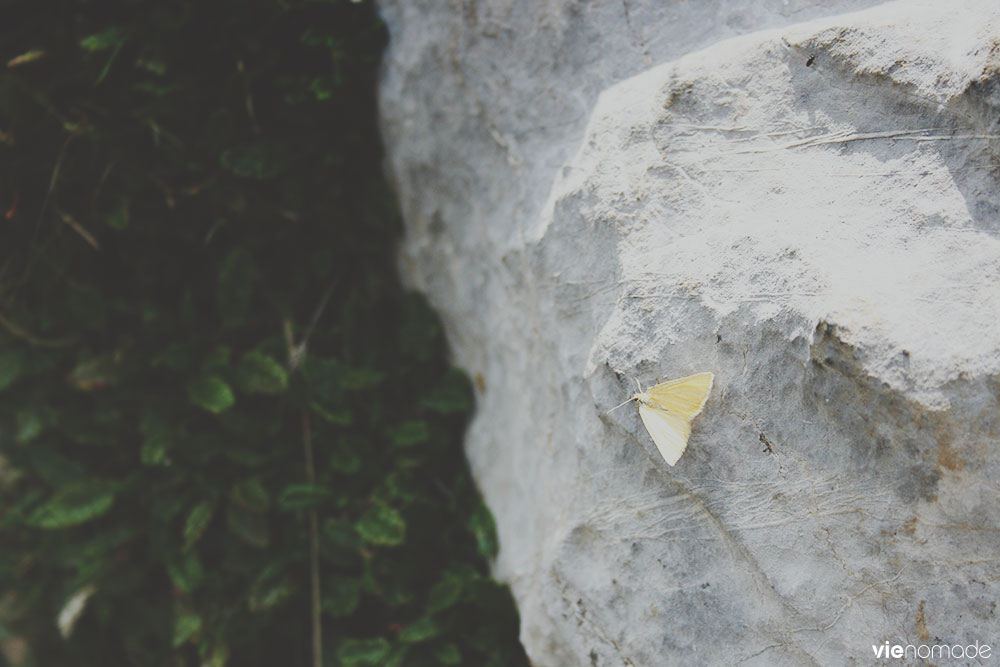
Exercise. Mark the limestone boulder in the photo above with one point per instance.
(801, 197)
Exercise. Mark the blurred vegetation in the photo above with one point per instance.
(209, 371)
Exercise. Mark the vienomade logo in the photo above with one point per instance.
(935, 651)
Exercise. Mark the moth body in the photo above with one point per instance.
(642, 398)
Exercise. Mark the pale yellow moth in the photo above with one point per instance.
(668, 408)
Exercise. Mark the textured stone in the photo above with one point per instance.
(801, 200)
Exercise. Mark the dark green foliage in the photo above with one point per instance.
(211, 393)
(481, 525)
(197, 288)
(74, 504)
(364, 652)
(382, 526)
(261, 374)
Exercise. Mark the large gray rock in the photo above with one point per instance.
(810, 210)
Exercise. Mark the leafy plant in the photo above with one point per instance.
(227, 435)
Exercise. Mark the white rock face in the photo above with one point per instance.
(800, 199)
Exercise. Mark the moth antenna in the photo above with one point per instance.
(618, 406)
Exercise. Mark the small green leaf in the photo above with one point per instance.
(251, 495)
(420, 631)
(363, 651)
(10, 366)
(185, 573)
(382, 526)
(300, 496)
(157, 67)
(445, 593)
(216, 656)
(197, 523)
(211, 393)
(259, 373)
(30, 424)
(267, 595)
(411, 433)
(397, 658)
(404, 485)
(342, 596)
(94, 373)
(74, 505)
(103, 40)
(448, 654)
(483, 528)
(186, 626)
(322, 88)
(153, 451)
(160, 432)
(340, 417)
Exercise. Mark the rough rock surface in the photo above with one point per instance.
(799, 197)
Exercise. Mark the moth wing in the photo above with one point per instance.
(669, 430)
(685, 396)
